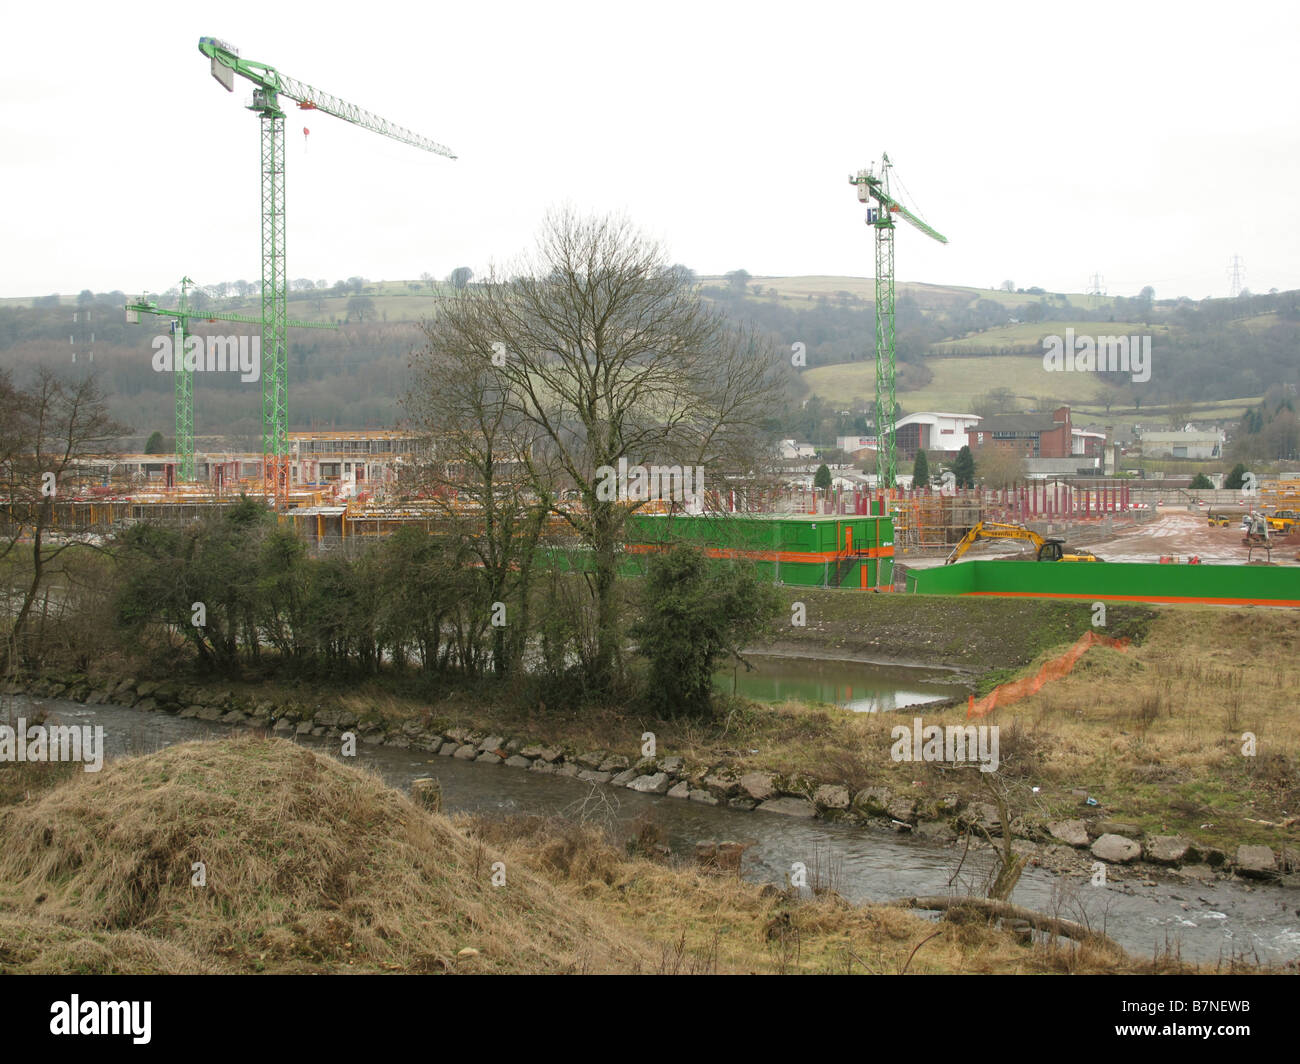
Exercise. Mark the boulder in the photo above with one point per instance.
(720, 785)
(515, 761)
(1070, 832)
(449, 748)
(625, 777)
(591, 759)
(1116, 849)
(831, 796)
(210, 713)
(673, 765)
(1258, 862)
(789, 807)
(466, 752)
(902, 809)
(490, 758)
(546, 768)
(656, 783)
(757, 785)
(1167, 849)
(614, 763)
(680, 790)
(304, 727)
(569, 768)
(703, 797)
(335, 718)
(491, 744)
(594, 775)
(872, 801)
(742, 803)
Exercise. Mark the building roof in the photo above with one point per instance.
(930, 416)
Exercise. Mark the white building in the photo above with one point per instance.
(1182, 444)
(790, 450)
(932, 431)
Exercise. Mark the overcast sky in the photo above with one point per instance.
(1145, 142)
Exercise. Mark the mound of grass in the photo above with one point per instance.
(311, 865)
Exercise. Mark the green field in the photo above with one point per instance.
(1031, 334)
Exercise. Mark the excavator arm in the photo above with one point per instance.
(1045, 549)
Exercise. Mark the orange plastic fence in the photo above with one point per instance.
(1005, 694)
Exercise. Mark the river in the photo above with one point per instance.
(1203, 921)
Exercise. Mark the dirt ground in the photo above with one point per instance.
(1178, 531)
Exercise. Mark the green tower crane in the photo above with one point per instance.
(269, 85)
(182, 369)
(881, 216)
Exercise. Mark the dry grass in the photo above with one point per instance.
(311, 866)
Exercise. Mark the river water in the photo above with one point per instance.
(1204, 921)
(864, 687)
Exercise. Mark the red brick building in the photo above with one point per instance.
(1033, 435)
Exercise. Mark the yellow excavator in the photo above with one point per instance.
(1048, 550)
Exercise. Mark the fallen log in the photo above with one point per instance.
(1004, 909)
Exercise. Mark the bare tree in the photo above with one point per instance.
(601, 352)
(47, 435)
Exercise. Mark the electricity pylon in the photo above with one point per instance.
(268, 86)
(873, 187)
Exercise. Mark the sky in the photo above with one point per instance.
(1148, 143)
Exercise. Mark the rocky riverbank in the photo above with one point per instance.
(1068, 845)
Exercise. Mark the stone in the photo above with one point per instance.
(647, 765)
(492, 743)
(318, 731)
(935, 829)
(148, 705)
(551, 754)
(449, 748)
(191, 711)
(147, 688)
(680, 790)
(651, 784)
(614, 763)
(513, 746)
(546, 768)
(459, 734)
(741, 802)
(1116, 849)
(625, 777)
(758, 785)
(568, 769)
(304, 727)
(427, 793)
(1258, 862)
(515, 761)
(872, 801)
(721, 786)
(1167, 849)
(673, 765)
(831, 796)
(488, 757)
(210, 713)
(789, 807)
(281, 726)
(235, 716)
(902, 809)
(591, 759)
(1071, 832)
(592, 775)
(412, 729)
(466, 752)
(703, 797)
(374, 737)
(1116, 827)
(531, 751)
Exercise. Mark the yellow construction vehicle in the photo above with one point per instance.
(1283, 521)
(1048, 550)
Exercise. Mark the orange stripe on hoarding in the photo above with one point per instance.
(806, 557)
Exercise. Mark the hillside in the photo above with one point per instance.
(955, 344)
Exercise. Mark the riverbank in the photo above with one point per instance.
(1134, 759)
(249, 854)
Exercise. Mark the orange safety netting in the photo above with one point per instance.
(1005, 694)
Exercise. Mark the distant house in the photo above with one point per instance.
(790, 450)
(1189, 444)
(1033, 435)
(932, 431)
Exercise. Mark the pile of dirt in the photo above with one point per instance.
(306, 864)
